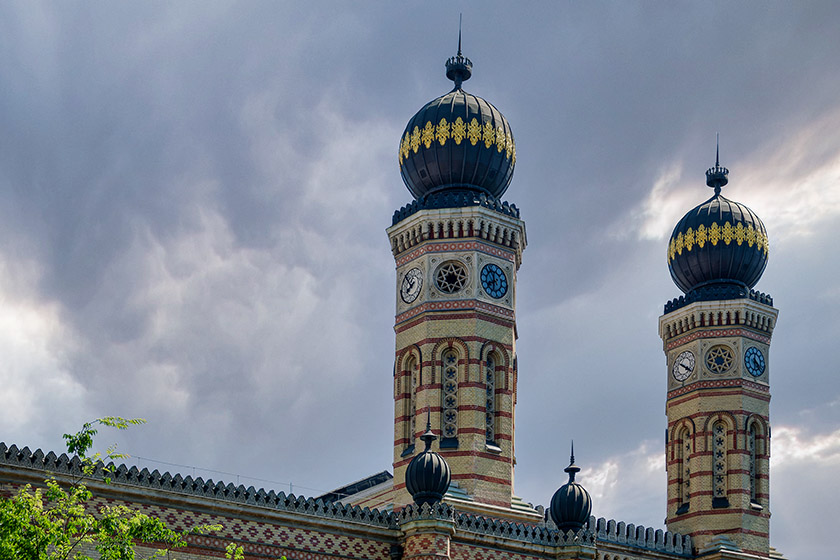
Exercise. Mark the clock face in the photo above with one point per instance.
(683, 366)
(411, 285)
(494, 281)
(719, 359)
(754, 361)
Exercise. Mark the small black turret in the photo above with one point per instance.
(571, 504)
(427, 476)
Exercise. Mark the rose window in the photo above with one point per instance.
(451, 277)
(719, 359)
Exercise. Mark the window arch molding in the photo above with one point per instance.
(758, 421)
(503, 360)
(676, 430)
(406, 354)
(731, 428)
(464, 358)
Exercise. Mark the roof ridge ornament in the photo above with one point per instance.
(716, 177)
(459, 67)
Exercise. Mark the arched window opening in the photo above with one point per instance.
(449, 399)
(410, 404)
(490, 400)
(719, 471)
(751, 448)
(684, 476)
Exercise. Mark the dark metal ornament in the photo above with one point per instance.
(427, 476)
(457, 142)
(571, 504)
(719, 247)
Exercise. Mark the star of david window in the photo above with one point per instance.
(451, 277)
(719, 359)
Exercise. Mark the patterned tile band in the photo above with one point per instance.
(714, 234)
(458, 131)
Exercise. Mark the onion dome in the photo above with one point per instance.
(718, 248)
(457, 142)
(571, 504)
(427, 476)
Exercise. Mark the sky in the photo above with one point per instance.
(193, 198)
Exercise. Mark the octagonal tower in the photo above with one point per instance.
(716, 339)
(458, 248)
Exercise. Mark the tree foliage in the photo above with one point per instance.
(59, 522)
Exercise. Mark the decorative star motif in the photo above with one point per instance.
(451, 277)
(719, 359)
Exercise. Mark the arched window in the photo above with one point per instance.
(410, 403)
(490, 406)
(753, 451)
(449, 398)
(684, 475)
(719, 469)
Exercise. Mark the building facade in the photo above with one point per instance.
(458, 249)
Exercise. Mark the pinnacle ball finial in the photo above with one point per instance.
(459, 67)
(717, 176)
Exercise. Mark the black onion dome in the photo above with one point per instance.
(718, 244)
(427, 476)
(458, 141)
(571, 504)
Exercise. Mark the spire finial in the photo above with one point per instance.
(459, 67)
(429, 436)
(460, 20)
(572, 469)
(716, 176)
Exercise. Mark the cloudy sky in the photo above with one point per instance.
(193, 198)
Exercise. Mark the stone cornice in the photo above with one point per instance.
(451, 224)
(456, 305)
(718, 384)
(748, 317)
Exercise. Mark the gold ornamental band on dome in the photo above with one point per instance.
(714, 234)
(458, 131)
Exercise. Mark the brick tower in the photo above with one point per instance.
(717, 340)
(457, 249)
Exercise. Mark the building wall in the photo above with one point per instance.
(270, 525)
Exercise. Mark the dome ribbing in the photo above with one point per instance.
(719, 246)
(427, 476)
(571, 504)
(457, 142)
